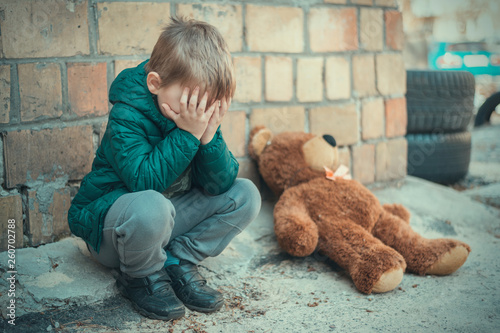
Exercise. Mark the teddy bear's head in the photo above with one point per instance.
(291, 158)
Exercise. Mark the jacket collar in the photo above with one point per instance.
(130, 87)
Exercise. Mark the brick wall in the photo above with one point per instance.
(332, 66)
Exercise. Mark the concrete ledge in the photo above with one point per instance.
(55, 275)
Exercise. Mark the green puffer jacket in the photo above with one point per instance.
(142, 150)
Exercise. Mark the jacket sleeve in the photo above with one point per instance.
(142, 166)
(214, 167)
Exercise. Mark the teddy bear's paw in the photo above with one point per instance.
(378, 270)
(450, 261)
(300, 246)
(389, 280)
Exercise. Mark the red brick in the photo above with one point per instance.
(391, 159)
(362, 2)
(2, 55)
(40, 29)
(394, 35)
(11, 209)
(35, 221)
(274, 29)
(371, 32)
(396, 118)
(88, 89)
(391, 74)
(48, 214)
(234, 131)
(290, 118)
(399, 149)
(120, 65)
(339, 121)
(372, 119)
(59, 211)
(363, 73)
(129, 28)
(2, 169)
(333, 29)
(385, 3)
(40, 90)
(30, 155)
(338, 78)
(310, 79)
(102, 130)
(279, 79)
(363, 159)
(345, 156)
(4, 94)
(248, 169)
(226, 18)
(248, 72)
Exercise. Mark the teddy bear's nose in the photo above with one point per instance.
(331, 141)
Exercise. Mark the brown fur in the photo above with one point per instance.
(398, 210)
(252, 149)
(420, 253)
(343, 219)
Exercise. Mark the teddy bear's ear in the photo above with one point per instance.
(260, 136)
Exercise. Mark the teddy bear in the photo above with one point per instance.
(340, 217)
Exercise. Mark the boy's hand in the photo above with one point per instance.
(192, 118)
(215, 120)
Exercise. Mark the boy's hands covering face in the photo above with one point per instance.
(192, 117)
(215, 120)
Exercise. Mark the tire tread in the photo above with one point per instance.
(441, 100)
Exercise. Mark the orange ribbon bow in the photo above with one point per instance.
(342, 172)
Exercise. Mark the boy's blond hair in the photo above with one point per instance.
(191, 53)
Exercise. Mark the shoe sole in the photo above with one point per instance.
(172, 316)
(205, 310)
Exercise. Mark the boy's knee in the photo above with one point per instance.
(246, 197)
(155, 212)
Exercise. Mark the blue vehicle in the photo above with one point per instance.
(476, 57)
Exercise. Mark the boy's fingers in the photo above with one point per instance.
(167, 111)
(211, 110)
(193, 102)
(217, 109)
(224, 108)
(203, 103)
(184, 98)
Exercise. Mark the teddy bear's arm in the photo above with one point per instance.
(398, 210)
(295, 230)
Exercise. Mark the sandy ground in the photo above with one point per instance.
(267, 290)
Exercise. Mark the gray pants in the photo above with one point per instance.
(139, 226)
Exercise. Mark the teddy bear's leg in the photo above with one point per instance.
(398, 210)
(422, 255)
(373, 266)
(295, 230)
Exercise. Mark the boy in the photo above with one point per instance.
(162, 194)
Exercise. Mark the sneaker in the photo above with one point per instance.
(152, 296)
(191, 288)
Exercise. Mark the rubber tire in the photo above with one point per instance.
(441, 158)
(439, 100)
(484, 113)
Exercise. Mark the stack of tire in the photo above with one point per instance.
(440, 107)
